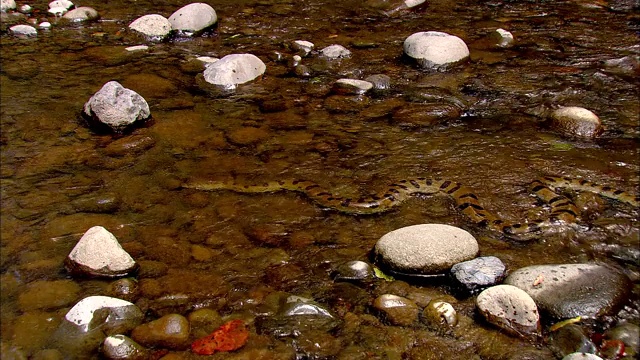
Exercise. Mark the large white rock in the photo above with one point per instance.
(425, 248)
(155, 26)
(193, 18)
(234, 69)
(23, 30)
(98, 253)
(6, 5)
(122, 315)
(434, 49)
(335, 51)
(83, 13)
(511, 309)
(61, 3)
(116, 106)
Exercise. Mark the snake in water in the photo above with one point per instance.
(562, 209)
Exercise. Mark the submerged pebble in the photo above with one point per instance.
(354, 271)
(170, 331)
(121, 347)
(575, 121)
(397, 310)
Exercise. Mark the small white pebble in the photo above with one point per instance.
(45, 25)
(25, 9)
(137, 48)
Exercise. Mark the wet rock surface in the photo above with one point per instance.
(193, 18)
(434, 49)
(478, 273)
(511, 309)
(570, 290)
(576, 121)
(116, 106)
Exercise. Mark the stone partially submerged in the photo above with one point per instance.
(435, 50)
(154, 26)
(233, 70)
(116, 107)
(193, 18)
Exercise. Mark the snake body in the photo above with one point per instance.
(562, 209)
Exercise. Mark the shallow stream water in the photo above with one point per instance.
(230, 251)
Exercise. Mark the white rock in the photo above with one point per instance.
(582, 356)
(25, 9)
(116, 106)
(6, 5)
(576, 121)
(193, 18)
(503, 38)
(425, 248)
(335, 52)
(509, 308)
(121, 347)
(303, 47)
(61, 3)
(44, 25)
(413, 3)
(433, 49)
(57, 10)
(23, 30)
(81, 314)
(83, 13)
(352, 86)
(137, 48)
(234, 69)
(154, 26)
(98, 253)
(207, 59)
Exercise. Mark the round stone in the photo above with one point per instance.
(121, 347)
(502, 38)
(83, 13)
(425, 248)
(6, 5)
(98, 253)
(576, 121)
(570, 290)
(433, 49)
(379, 81)
(116, 107)
(582, 356)
(354, 271)
(352, 86)
(234, 69)
(303, 47)
(61, 3)
(193, 18)
(23, 30)
(440, 315)
(154, 26)
(511, 309)
(397, 310)
(171, 331)
(46, 295)
(335, 52)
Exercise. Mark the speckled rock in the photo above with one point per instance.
(170, 331)
(193, 18)
(479, 272)
(116, 107)
(83, 13)
(121, 347)
(575, 121)
(98, 253)
(23, 30)
(233, 70)
(425, 248)
(335, 51)
(435, 50)
(396, 310)
(582, 356)
(155, 26)
(6, 5)
(510, 309)
(570, 290)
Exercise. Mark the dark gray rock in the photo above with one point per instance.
(478, 273)
(570, 290)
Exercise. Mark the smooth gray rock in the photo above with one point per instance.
(98, 253)
(233, 70)
(570, 290)
(379, 81)
(83, 13)
(576, 121)
(193, 18)
(303, 47)
(154, 26)
(335, 51)
(425, 248)
(511, 309)
(479, 272)
(116, 106)
(23, 30)
(435, 50)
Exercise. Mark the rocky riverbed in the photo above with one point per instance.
(116, 117)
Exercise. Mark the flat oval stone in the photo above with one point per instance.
(303, 47)
(425, 248)
(570, 290)
(352, 86)
(171, 331)
(193, 18)
(154, 26)
(98, 253)
(23, 30)
(511, 309)
(434, 49)
(83, 13)
(234, 69)
(576, 121)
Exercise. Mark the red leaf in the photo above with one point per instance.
(228, 337)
